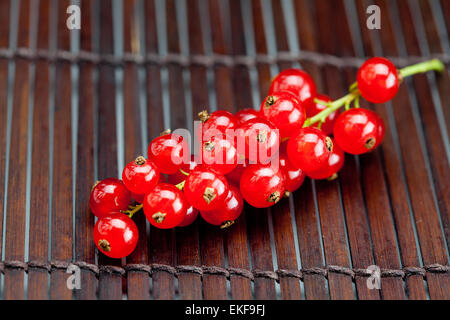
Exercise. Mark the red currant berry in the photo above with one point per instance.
(191, 215)
(258, 140)
(358, 130)
(165, 206)
(178, 176)
(109, 195)
(234, 177)
(205, 189)
(168, 152)
(314, 108)
(219, 154)
(377, 80)
(310, 149)
(246, 114)
(140, 176)
(116, 235)
(262, 185)
(218, 123)
(297, 82)
(285, 112)
(139, 198)
(226, 215)
(293, 177)
(335, 163)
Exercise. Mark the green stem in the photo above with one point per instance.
(332, 106)
(422, 67)
(133, 210)
(184, 172)
(354, 95)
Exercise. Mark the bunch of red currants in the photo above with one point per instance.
(256, 156)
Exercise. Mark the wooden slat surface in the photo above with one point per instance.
(388, 208)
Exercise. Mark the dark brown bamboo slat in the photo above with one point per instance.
(257, 222)
(155, 113)
(328, 193)
(17, 173)
(308, 221)
(436, 149)
(393, 173)
(162, 242)
(39, 198)
(61, 213)
(235, 239)
(4, 43)
(187, 238)
(138, 282)
(281, 213)
(414, 164)
(434, 159)
(85, 175)
(376, 219)
(110, 284)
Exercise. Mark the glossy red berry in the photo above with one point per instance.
(285, 112)
(205, 189)
(293, 176)
(377, 80)
(109, 195)
(226, 215)
(310, 149)
(218, 123)
(246, 114)
(314, 108)
(262, 186)
(358, 130)
(140, 176)
(257, 140)
(116, 235)
(178, 176)
(191, 215)
(169, 152)
(165, 206)
(295, 81)
(219, 154)
(335, 163)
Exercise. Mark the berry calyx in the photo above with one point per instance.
(227, 214)
(378, 80)
(262, 186)
(315, 108)
(258, 140)
(219, 154)
(168, 152)
(165, 206)
(335, 163)
(205, 189)
(109, 195)
(297, 82)
(310, 149)
(358, 131)
(140, 176)
(285, 111)
(116, 235)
